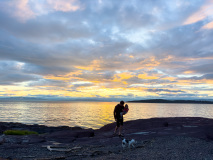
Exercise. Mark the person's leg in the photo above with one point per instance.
(120, 129)
(117, 126)
(121, 126)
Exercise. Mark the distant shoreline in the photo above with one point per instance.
(172, 101)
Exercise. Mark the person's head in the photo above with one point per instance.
(122, 103)
(126, 106)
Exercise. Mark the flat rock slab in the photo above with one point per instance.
(102, 144)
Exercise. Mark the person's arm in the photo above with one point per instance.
(115, 112)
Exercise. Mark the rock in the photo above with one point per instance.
(85, 133)
(30, 139)
(76, 128)
(32, 157)
(68, 136)
(2, 128)
(52, 158)
(2, 139)
(27, 139)
(13, 139)
(209, 133)
(95, 153)
(165, 124)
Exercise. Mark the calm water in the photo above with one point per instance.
(93, 114)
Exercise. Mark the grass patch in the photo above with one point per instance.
(19, 132)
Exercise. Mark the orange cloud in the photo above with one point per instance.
(19, 9)
(95, 65)
(169, 78)
(64, 5)
(209, 81)
(122, 76)
(131, 56)
(152, 62)
(67, 77)
(189, 72)
(205, 11)
(208, 26)
(144, 76)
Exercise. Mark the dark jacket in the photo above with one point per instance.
(118, 109)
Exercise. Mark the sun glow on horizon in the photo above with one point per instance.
(77, 49)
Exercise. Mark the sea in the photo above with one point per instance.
(93, 114)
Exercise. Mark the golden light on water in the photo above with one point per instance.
(93, 114)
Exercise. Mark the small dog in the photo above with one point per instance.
(128, 143)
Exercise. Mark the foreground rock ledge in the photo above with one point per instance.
(157, 138)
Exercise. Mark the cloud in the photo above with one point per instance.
(208, 25)
(11, 73)
(165, 90)
(186, 96)
(25, 10)
(205, 11)
(47, 83)
(141, 47)
(19, 9)
(64, 5)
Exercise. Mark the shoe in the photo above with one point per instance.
(121, 135)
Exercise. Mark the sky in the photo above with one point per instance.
(107, 49)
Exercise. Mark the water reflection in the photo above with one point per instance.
(93, 114)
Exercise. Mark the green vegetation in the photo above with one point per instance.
(19, 132)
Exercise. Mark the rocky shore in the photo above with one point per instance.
(157, 138)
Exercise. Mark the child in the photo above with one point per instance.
(126, 109)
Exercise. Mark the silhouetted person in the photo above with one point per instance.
(118, 118)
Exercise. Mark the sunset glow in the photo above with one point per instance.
(106, 49)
